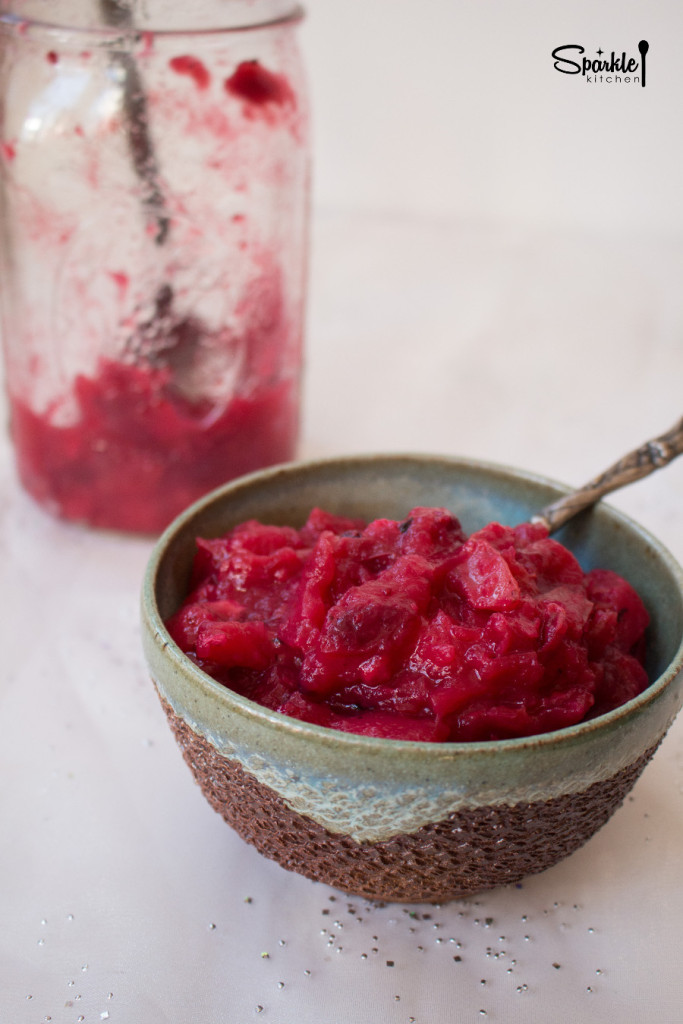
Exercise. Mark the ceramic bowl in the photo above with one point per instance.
(398, 820)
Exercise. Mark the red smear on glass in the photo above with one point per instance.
(193, 68)
(254, 83)
(121, 280)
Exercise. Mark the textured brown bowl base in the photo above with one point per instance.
(461, 855)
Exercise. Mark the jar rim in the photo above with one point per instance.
(291, 15)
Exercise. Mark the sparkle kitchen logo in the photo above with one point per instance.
(617, 69)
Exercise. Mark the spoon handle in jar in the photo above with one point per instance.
(639, 463)
(119, 14)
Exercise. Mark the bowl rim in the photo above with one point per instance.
(328, 736)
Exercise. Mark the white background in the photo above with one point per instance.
(453, 108)
(496, 272)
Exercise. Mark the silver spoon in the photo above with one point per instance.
(639, 463)
(119, 14)
(165, 338)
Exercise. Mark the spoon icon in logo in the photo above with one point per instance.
(643, 47)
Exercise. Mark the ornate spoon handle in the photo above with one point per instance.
(639, 463)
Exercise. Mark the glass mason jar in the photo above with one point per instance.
(154, 173)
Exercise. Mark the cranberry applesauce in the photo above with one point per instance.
(412, 630)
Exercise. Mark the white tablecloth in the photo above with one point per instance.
(123, 897)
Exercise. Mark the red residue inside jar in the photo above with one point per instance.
(182, 411)
(412, 630)
(253, 82)
(122, 281)
(140, 452)
(193, 68)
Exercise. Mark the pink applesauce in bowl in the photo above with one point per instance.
(410, 629)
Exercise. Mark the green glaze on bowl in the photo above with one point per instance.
(405, 820)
